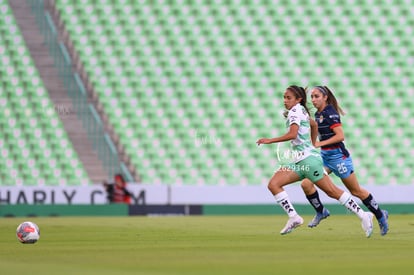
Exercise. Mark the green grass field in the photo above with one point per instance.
(206, 245)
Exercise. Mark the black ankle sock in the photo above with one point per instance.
(373, 206)
(315, 202)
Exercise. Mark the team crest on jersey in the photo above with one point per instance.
(321, 119)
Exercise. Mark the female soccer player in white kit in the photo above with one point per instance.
(308, 163)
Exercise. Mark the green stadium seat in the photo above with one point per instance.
(25, 150)
(236, 59)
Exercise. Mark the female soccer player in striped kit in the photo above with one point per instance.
(336, 158)
(307, 163)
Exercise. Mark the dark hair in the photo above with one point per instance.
(331, 98)
(300, 92)
(120, 177)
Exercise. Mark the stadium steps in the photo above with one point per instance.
(50, 6)
(57, 93)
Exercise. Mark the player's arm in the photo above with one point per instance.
(338, 137)
(291, 134)
(314, 131)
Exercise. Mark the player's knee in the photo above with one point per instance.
(270, 185)
(306, 185)
(273, 186)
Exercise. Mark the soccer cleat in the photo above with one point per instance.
(383, 222)
(318, 217)
(291, 224)
(367, 224)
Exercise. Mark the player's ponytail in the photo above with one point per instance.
(331, 99)
(300, 92)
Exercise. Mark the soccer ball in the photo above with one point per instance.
(28, 232)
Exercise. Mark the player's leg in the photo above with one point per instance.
(346, 200)
(315, 173)
(352, 184)
(282, 177)
(345, 170)
(312, 195)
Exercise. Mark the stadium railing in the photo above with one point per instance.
(91, 121)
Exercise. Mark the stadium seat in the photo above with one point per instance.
(221, 68)
(27, 117)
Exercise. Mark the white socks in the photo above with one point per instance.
(349, 203)
(282, 199)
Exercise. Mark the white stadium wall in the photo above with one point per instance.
(170, 195)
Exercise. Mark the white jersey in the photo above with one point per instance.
(302, 145)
